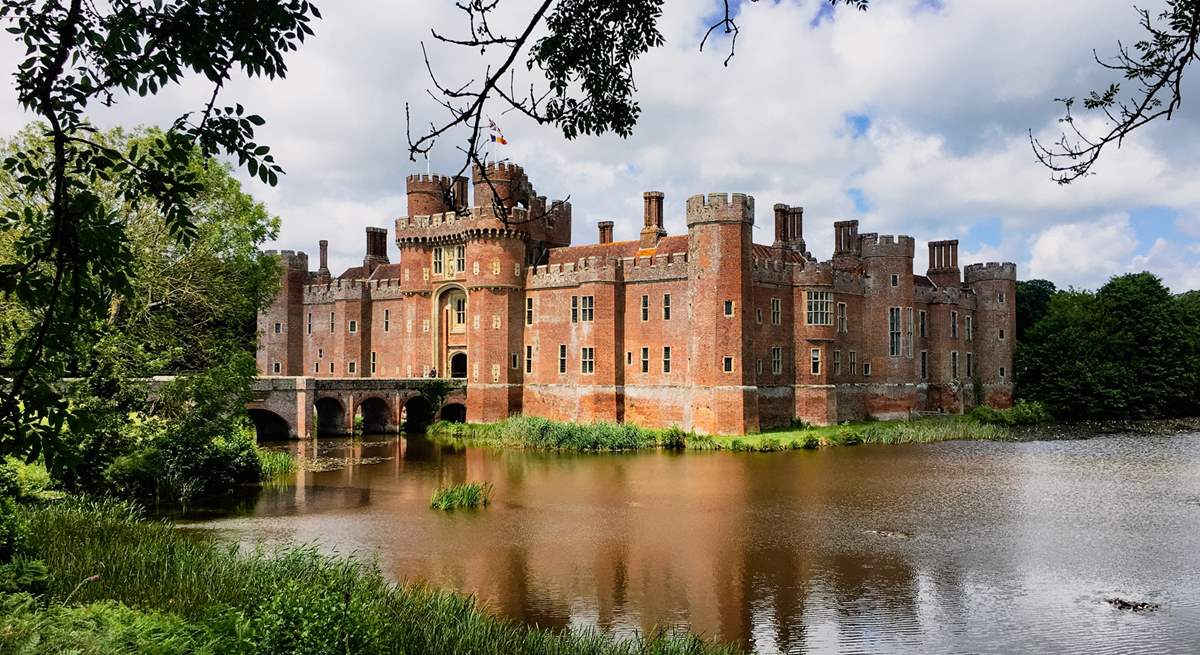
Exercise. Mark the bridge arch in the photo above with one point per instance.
(376, 415)
(417, 414)
(331, 417)
(269, 426)
(454, 412)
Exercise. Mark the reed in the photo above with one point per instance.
(276, 464)
(468, 495)
(231, 601)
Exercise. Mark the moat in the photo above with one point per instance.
(951, 547)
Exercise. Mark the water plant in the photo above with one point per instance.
(276, 464)
(467, 495)
(181, 592)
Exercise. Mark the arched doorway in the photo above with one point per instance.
(454, 412)
(417, 414)
(376, 416)
(450, 338)
(458, 366)
(269, 426)
(331, 417)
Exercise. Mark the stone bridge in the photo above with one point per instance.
(296, 407)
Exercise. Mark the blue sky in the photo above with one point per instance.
(912, 117)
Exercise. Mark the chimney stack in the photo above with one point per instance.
(459, 189)
(606, 231)
(376, 249)
(652, 218)
(322, 274)
(943, 263)
(789, 227)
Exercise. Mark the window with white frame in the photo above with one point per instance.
(894, 331)
(308, 325)
(320, 353)
(895, 280)
(331, 321)
(587, 360)
(815, 358)
(728, 308)
(438, 262)
(666, 359)
(921, 324)
(645, 360)
(924, 364)
(843, 324)
(970, 365)
(587, 308)
(460, 311)
(278, 327)
(460, 258)
(516, 361)
(820, 307)
(758, 366)
(562, 358)
(666, 306)
(529, 311)
(645, 308)
(574, 309)
(331, 367)
(1002, 334)
(351, 366)
(727, 364)
(837, 362)
(372, 362)
(908, 333)
(528, 359)
(866, 369)
(1002, 372)
(387, 319)
(276, 367)
(776, 360)
(353, 326)
(970, 328)
(853, 363)
(776, 311)
(316, 367)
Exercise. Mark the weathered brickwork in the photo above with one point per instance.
(707, 330)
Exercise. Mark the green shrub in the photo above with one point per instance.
(702, 442)
(770, 445)
(811, 442)
(1023, 413)
(674, 438)
(467, 495)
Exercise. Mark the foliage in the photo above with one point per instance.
(467, 495)
(673, 438)
(1022, 413)
(1126, 351)
(71, 256)
(1033, 298)
(204, 597)
(276, 464)
(541, 433)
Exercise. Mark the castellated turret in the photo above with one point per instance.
(505, 183)
(433, 194)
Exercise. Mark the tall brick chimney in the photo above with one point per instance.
(376, 249)
(943, 263)
(789, 227)
(606, 231)
(322, 274)
(652, 218)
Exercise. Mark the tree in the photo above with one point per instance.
(587, 58)
(73, 256)
(1154, 66)
(1033, 298)
(1126, 351)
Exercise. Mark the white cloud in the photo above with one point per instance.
(950, 94)
(1179, 270)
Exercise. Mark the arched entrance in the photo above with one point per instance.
(269, 426)
(450, 338)
(376, 416)
(454, 412)
(331, 417)
(458, 365)
(417, 414)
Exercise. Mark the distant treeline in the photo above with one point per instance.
(1129, 350)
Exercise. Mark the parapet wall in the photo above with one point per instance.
(720, 208)
(291, 260)
(315, 294)
(990, 271)
(887, 245)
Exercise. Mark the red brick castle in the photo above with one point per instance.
(707, 330)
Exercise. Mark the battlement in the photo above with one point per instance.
(720, 208)
(888, 245)
(497, 170)
(423, 179)
(291, 260)
(315, 294)
(990, 271)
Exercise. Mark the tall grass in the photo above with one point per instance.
(287, 601)
(467, 495)
(540, 433)
(276, 464)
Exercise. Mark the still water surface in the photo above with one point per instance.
(952, 547)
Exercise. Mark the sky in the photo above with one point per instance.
(912, 117)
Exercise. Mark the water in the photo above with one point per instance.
(953, 547)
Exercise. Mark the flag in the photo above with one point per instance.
(496, 135)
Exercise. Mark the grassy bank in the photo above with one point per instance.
(122, 585)
(544, 434)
